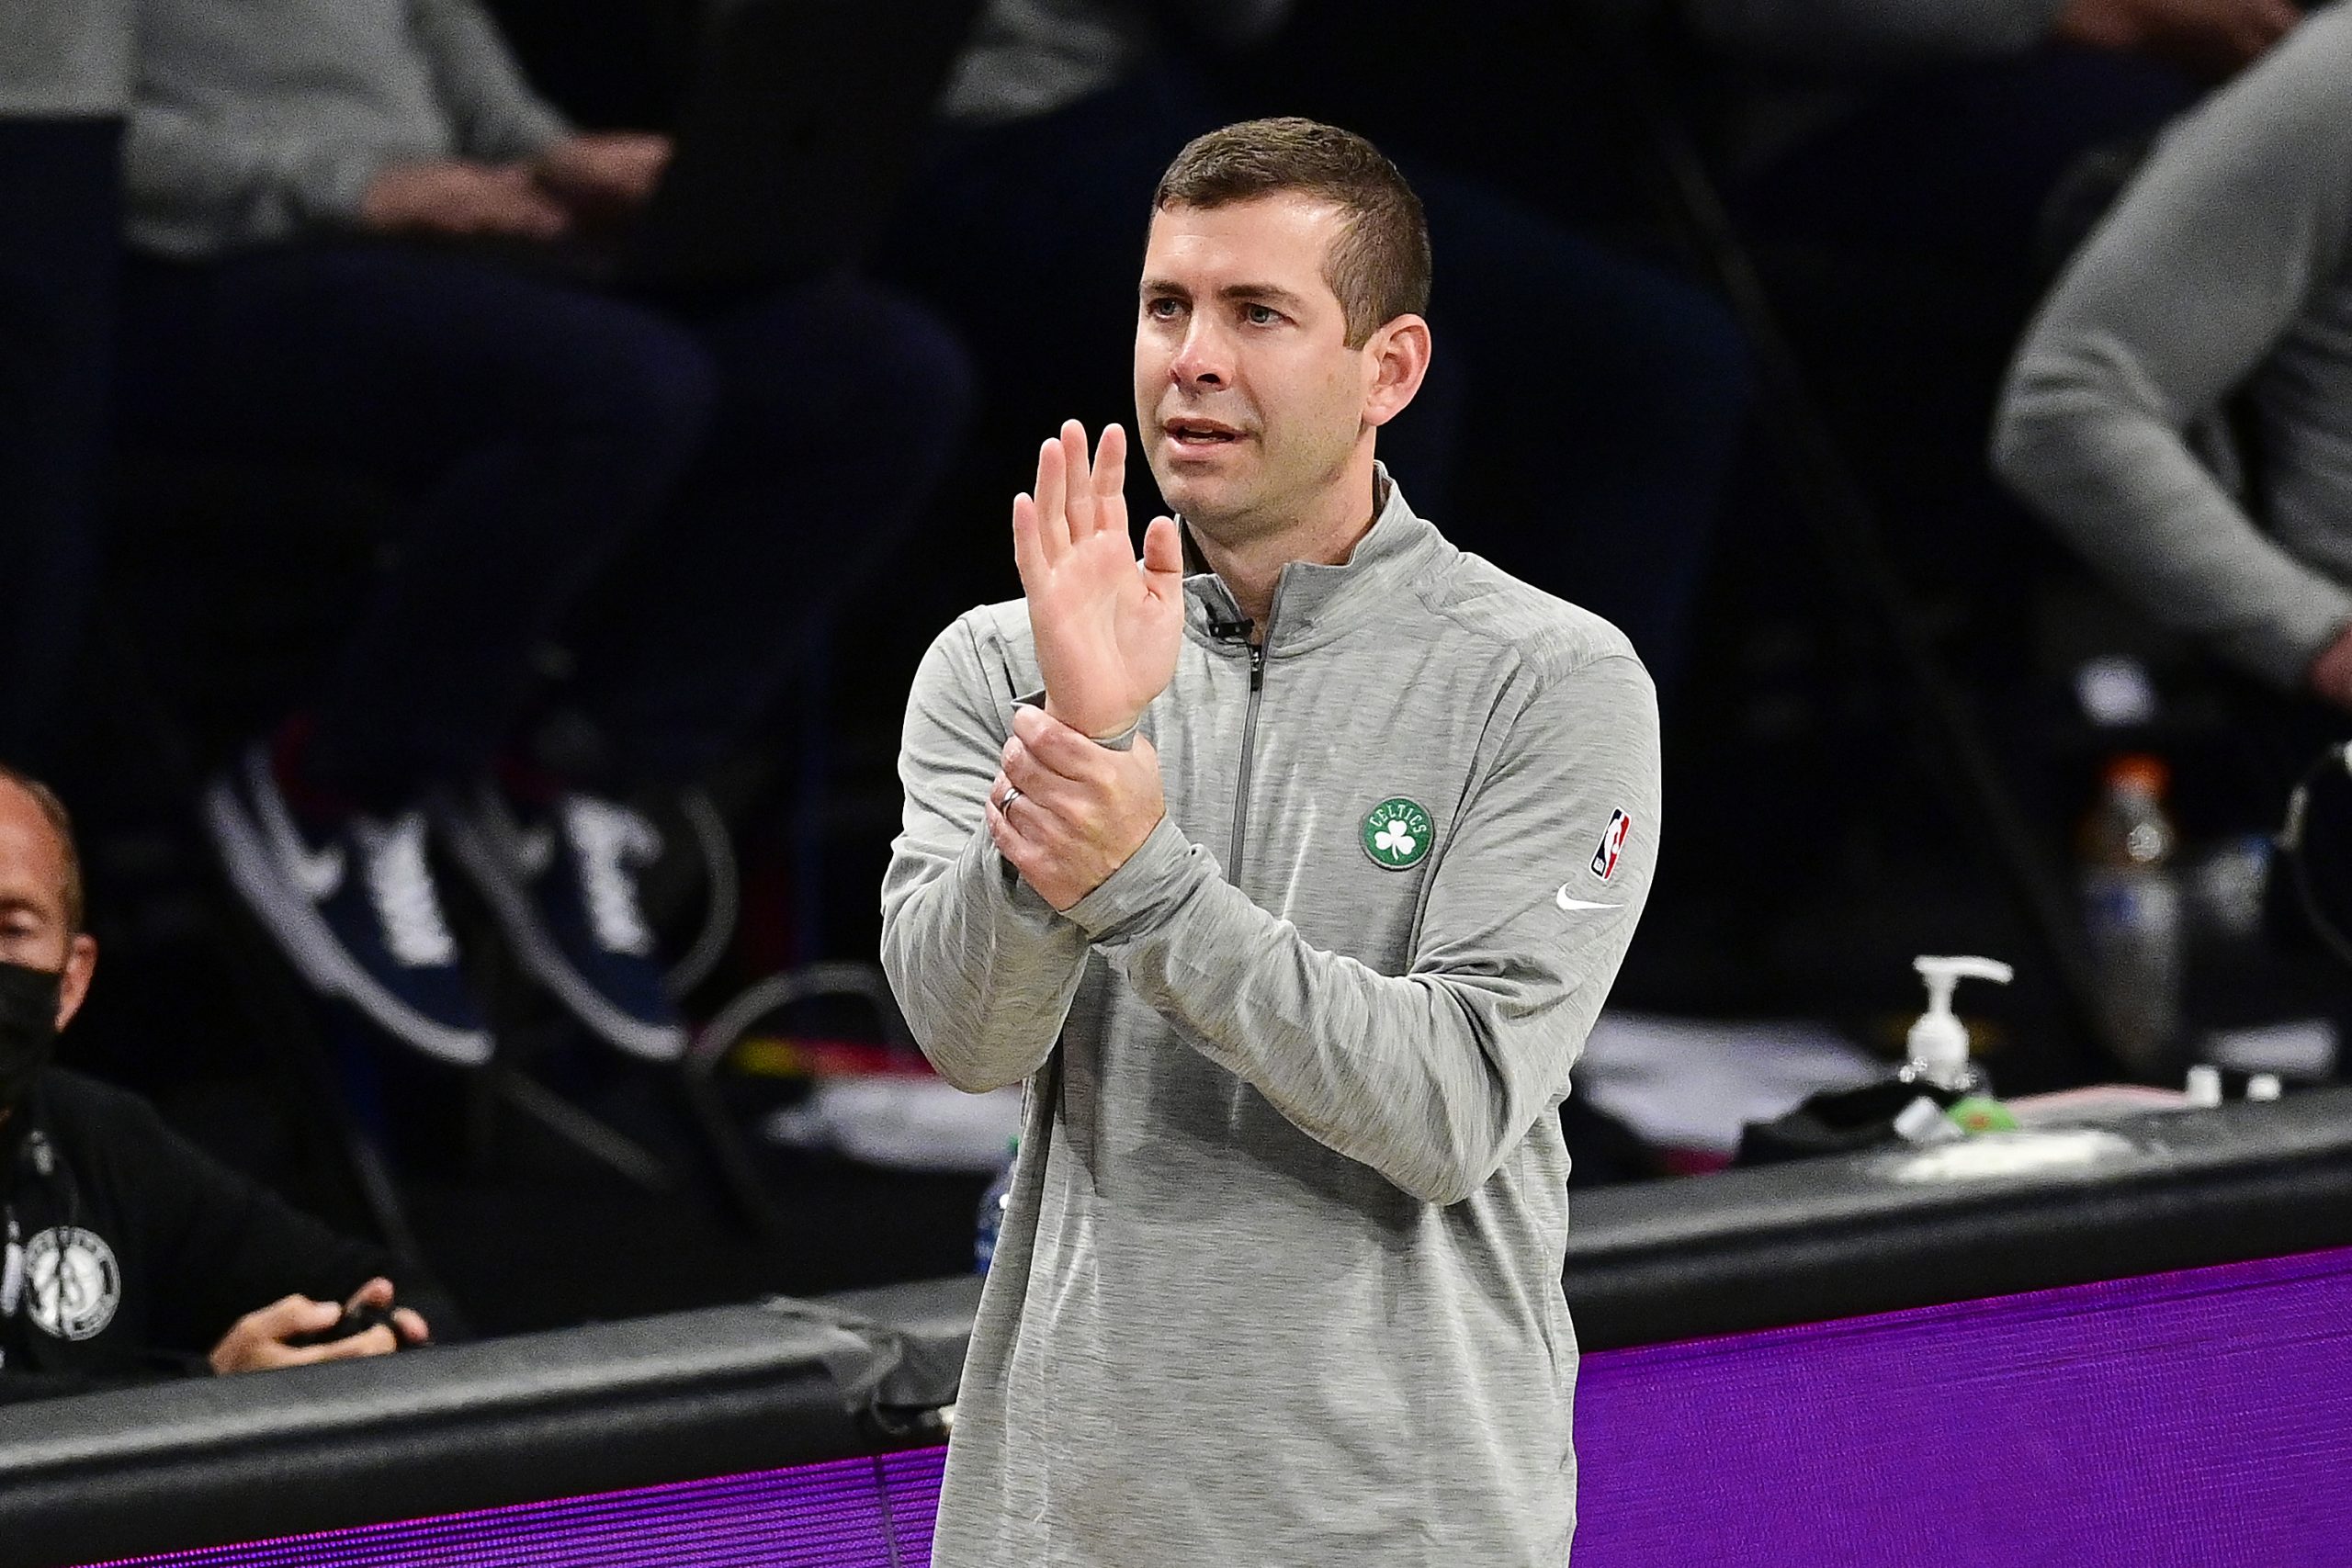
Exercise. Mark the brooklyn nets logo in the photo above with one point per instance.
(72, 1282)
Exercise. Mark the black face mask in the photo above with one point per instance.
(28, 1028)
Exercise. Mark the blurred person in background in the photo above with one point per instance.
(2180, 411)
(131, 1254)
(65, 79)
(1944, 126)
(336, 208)
(1577, 430)
(1900, 174)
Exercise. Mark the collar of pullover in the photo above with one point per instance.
(1315, 603)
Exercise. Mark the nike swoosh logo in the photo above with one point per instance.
(318, 872)
(1565, 902)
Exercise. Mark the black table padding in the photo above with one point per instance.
(1837, 1237)
(535, 1417)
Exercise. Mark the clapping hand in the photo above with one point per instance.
(1065, 811)
(1106, 627)
(1068, 813)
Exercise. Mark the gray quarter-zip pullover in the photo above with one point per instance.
(1279, 1282)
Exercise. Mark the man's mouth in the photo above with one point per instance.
(1198, 434)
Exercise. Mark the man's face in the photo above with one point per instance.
(34, 931)
(1248, 400)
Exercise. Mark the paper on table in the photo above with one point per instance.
(902, 1123)
(1692, 1083)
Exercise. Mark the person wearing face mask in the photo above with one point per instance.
(130, 1255)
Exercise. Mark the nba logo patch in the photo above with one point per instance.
(1612, 844)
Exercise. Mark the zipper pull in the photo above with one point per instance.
(1257, 665)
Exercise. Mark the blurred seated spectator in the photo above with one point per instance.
(64, 76)
(1943, 126)
(1903, 171)
(1583, 403)
(130, 1253)
(344, 215)
(2181, 409)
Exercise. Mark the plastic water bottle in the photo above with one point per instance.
(2131, 907)
(993, 1203)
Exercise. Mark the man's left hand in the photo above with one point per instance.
(1077, 810)
(603, 175)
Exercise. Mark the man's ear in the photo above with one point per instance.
(1398, 357)
(81, 963)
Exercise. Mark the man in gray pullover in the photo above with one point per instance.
(1291, 905)
(2221, 274)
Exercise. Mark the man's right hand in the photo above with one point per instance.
(2211, 37)
(258, 1341)
(453, 196)
(1107, 630)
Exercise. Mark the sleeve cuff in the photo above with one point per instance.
(1123, 741)
(539, 127)
(328, 186)
(2281, 651)
(1160, 866)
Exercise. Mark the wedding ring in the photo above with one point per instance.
(1011, 794)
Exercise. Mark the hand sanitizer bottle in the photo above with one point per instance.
(1939, 1042)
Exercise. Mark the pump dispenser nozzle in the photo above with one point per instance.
(1939, 1042)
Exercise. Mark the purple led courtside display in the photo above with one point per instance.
(859, 1513)
(2201, 1417)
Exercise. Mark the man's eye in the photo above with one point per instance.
(1162, 310)
(1261, 315)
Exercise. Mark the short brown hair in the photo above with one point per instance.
(1379, 266)
(60, 822)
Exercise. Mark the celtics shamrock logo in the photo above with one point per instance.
(1397, 834)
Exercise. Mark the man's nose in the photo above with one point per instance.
(1202, 359)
